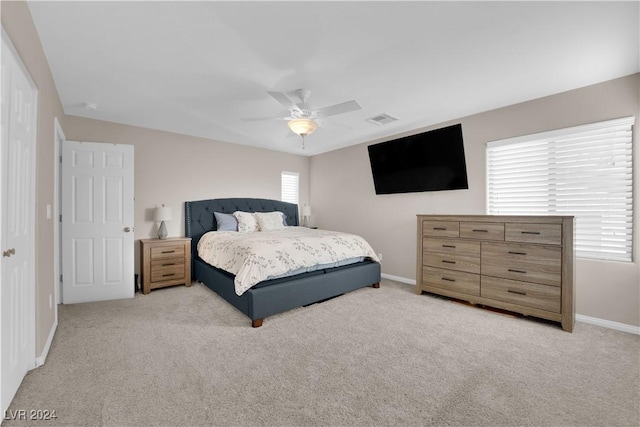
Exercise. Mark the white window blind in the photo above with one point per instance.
(290, 187)
(584, 171)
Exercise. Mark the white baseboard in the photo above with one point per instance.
(579, 317)
(398, 279)
(45, 351)
(608, 324)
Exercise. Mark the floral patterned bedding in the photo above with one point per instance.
(259, 256)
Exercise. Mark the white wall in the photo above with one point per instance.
(343, 196)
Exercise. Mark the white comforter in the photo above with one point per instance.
(254, 257)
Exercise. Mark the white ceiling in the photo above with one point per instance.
(198, 68)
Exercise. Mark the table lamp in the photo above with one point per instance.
(306, 213)
(163, 214)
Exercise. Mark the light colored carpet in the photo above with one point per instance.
(183, 356)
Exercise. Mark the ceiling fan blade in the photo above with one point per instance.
(344, 107)
(284, 100)
(258, 119)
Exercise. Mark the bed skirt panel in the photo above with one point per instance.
(270, 300)
(287, 294)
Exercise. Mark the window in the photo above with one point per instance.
(584, 171)
(290, 187)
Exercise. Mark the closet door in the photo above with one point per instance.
(17, 293)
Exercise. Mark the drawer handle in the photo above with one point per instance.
(439, 228)
(479, 231)
(530, 232)
(168, 252)
(446, 261)
(516, 292)
(167, 265)
(168, 274)
(517, 271)
(447, 279)
(449, 246)
(517, 253)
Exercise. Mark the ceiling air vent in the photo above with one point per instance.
(381, 119)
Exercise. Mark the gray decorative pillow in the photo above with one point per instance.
(226, 222)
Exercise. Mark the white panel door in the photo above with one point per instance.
(97, 222)
(17, 290)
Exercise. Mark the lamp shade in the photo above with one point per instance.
(302, 126)
(306, 210)
(163, 213)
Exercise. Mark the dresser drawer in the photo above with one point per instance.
(541, 297)
(451, 246)
(482, 230)
(550, 234)
(530, 263)
(167, 251)
(457, 281)
(470, 264)
(441, 228)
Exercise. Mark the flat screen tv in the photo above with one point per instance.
(429, 161)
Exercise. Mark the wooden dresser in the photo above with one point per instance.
(165, 262)
(523, 264)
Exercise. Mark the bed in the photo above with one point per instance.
(275, 295)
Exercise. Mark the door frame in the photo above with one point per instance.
(30, 299)
(58, 138)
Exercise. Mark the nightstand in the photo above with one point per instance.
(165, 262)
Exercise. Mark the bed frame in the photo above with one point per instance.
(272, 296)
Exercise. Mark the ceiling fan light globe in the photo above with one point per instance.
(302, 126)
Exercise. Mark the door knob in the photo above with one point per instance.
(127, 229)
(9, 252)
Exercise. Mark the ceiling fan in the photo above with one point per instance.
(302, 118)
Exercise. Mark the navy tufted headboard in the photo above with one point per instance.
(199, 218)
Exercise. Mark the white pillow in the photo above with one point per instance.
(269, 221)
(246, 222)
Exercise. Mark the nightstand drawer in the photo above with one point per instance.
(441, 228)
(167, 264)
(542, 297)
(529, 263)
(457, 281)
(167, 251)
(173, 272)
(549, 234)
